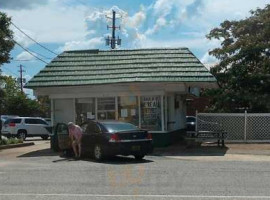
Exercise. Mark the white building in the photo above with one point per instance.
(146, 87)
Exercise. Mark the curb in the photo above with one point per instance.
(16, 145)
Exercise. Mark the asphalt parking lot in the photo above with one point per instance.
(35, 172)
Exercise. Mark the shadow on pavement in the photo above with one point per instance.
(116, 160)
(40, 153)
(181, 150)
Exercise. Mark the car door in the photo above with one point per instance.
(62, 133)
(88, 136)
(29, 125)
(41, 126)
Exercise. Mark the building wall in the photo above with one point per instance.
(171, 117)
(64, 111)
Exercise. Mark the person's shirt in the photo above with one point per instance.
(76, 132)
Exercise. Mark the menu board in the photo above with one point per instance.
(151, 112)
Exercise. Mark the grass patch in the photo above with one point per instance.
(8, 141)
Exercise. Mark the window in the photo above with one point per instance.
(30, 121)
(151, 113)
(85, 109)
(106, 108)
(115, 127)
(16, 121)
(62, 129)
(40, 121)
(128, 109)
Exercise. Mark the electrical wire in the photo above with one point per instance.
(30, 52)
(27, 50)
(10, 71)
(33, 39)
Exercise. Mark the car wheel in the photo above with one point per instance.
(45, 137)
(138, 157)
(98, 152)
(21, 135)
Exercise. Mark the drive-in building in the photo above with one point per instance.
(146, 87)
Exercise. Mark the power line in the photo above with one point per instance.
(10, 71)
(30, 52)
(24, 48)
(26, 60)
(33, 39)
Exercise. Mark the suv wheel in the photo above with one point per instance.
(45, 137)
(22, 135)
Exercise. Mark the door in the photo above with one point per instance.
(91, 136)
(42, 126)
(62, 133)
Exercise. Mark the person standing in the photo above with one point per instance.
(75, 134)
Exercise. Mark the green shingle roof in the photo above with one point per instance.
(88, 67)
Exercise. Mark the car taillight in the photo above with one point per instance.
(114, 138)
(149, 136)
(12, 124)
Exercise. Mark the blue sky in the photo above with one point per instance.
(81, 24)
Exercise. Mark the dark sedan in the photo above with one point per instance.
(108, 138)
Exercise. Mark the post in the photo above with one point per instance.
(140, 117)
(52, 112)
(21, 78)
(196, 122)
(116, 108)
(162, 113)
(245, 128)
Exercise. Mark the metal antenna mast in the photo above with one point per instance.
(112, 40)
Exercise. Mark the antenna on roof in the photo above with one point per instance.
(112, 40)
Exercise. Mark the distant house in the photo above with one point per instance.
(146, 87)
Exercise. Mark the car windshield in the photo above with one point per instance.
(116, 127)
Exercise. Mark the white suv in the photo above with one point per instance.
(23, 127)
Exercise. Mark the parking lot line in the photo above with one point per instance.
(142, 196)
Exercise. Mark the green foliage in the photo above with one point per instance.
(6, 36)
(7, 141)
(16, 103)
(243, 73)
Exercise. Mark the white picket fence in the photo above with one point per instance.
(242, 127)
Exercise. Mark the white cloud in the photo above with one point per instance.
(21, 4)
(83, 44)
(25, 56)
(22, 38)
(208, 59)
(51, 23)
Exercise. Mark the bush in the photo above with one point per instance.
(6, 141)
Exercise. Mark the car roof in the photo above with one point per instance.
(25, 118)
(109, 122)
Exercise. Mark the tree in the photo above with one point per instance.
(6, 38)
(16, 103)
(243, 72)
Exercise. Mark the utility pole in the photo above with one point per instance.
(112, 40)
(21, 80)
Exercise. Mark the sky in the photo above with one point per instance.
(61, 25)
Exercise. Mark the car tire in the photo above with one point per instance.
(98, 152)
(21, 135)
(45, 137)
(139, 157)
